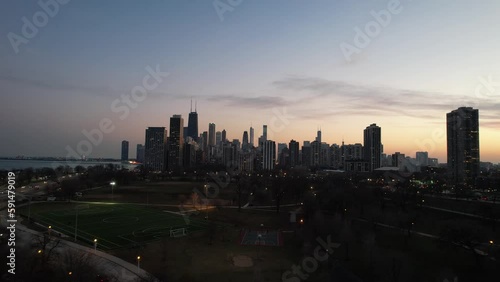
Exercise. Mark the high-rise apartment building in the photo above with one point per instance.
(139, 156)
(463, 146)
(294, 153)
(124, 156)
(422, 158)
(268, 155)
(155, 155)
(372, 146)
(224, 137)
(211, 134)
(176, 143)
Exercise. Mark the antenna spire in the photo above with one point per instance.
(191, 110)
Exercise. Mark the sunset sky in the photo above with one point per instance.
(255, 61)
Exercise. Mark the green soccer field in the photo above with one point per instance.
(113, 225)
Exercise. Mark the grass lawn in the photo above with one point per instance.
(113, 225)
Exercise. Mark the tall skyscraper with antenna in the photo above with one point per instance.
(193, 123)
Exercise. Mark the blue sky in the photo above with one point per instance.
(263, 55)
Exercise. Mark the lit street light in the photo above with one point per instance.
(138, 263)
(95, 244)
(112, 183)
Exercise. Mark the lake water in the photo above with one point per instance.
(22, 164)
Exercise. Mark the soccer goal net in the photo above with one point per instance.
(179, 232)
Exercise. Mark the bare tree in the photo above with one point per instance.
(46, 246)
(78, 266)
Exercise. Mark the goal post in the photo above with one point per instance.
(178, 232)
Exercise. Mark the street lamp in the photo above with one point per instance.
(206, 200)
(50, 228)
(112, 190)
(95, 244)
(29, 210)
(138, 263)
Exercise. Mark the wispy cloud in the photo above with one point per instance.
(73, 88)
(340, 97)
(260, 102)
(98, 90)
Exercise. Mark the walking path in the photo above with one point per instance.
(114, 266)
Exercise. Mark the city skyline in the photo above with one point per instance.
(318, 133)
(245, 73)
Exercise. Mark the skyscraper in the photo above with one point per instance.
(318, 136)
(251, 137)
(155, 149)
(218, 138)
(315, 153)
(398, 160)
(294, 153)
(204, 140)
(372, 146)
(422, 158)
(264, 132)
(175, 143)
(306, 154)
(193, 123)
(124, 150)
(224, 137)
(211, 134)
(268, 155)
(244, 145)
(281, 146)
(139, 157)
(463, 146)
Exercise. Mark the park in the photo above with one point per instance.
(196, 228)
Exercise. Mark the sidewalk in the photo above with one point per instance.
(123, 270)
